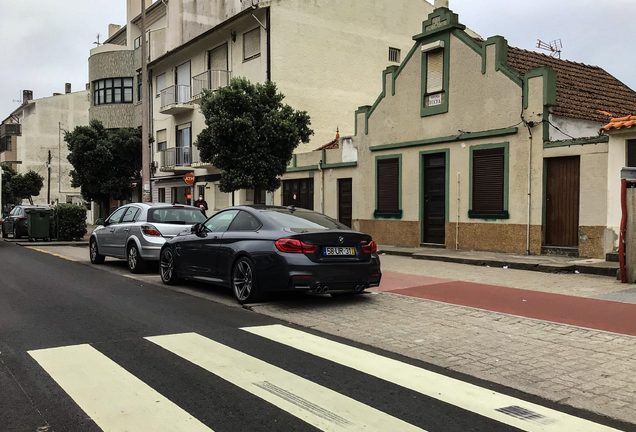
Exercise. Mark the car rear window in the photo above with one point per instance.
(303, 220)
(177, 216)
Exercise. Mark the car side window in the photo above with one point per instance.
(116, 216)
(130, 214)
(244, 222)
(220, 222)
(14, 211)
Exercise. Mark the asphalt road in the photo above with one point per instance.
(87, 350)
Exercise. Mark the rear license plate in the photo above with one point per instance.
(338, 251)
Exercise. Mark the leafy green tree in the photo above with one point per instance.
(27, 186)
(250, 135)
(105, 161)
(16, 187)
(8, 174)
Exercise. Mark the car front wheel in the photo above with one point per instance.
(96, 258)
(167, 267)
(136, 263)
(244, 284)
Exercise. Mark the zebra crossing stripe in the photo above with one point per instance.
(115, 399)
(317, 405)
(505, 409)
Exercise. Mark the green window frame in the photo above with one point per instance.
(381, 213)
(503, 214)
(435, 49)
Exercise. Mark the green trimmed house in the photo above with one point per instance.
(473, 144)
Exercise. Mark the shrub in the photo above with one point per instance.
(71, 219)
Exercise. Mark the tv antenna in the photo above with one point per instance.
(554, 47)
(97, 43)
(19, 100)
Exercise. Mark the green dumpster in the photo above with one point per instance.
(38, 223)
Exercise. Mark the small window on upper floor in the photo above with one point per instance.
(394, 55)
(631, 153)
(162, 140)
(252, 44)
(434, 78)
(161, 83)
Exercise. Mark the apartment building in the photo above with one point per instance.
(320, 54)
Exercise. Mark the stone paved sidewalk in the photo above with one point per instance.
(583, 368)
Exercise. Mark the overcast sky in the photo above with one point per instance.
(46, 43)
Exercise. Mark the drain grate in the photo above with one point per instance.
(525, 414)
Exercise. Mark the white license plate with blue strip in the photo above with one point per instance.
(338, 250)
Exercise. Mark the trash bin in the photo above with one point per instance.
(38, 223)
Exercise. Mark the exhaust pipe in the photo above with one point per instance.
(318, 290)
(325, 289)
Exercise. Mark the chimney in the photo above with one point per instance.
(441, 3)
(112, 29)
(67, 88)
(27, 95)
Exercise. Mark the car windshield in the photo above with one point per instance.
(303, 220)
(175, 215)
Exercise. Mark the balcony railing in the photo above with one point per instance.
(210, 80)
(7, 129)
(175, 95)
(178, 157)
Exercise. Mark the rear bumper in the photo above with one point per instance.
(296, 272)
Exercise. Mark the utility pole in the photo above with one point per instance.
(1, 208)
(145, 144)
(48, 186)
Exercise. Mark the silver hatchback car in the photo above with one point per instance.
(137, 231)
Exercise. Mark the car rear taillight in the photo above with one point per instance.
(294, 246)
(150, 231)
(21, 218)
(370, 247)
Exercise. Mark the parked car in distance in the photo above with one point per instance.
(16, 222)
(137, 231)
(258, 249)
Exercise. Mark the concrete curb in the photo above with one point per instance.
(513, 264)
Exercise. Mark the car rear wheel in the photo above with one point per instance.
(167, 267)
(244, 282)
(136, 263)
(4, 233)
(15, 233)
(96, 258)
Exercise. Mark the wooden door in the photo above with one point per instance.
(345, 201)
(562, 201)
(299, 193)
(434, 190)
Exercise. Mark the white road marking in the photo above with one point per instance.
(319, 406)
(114, 398)
(505, 409)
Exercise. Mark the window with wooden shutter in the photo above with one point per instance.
(252, 44)
(388, 187)
(217, 58)
(631, 153)
(488, 183)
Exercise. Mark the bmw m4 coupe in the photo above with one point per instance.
(259, 249)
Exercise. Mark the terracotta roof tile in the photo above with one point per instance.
(332, 144)
(583, 91)
(621, 122)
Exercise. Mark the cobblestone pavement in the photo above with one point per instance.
(583, 368)
(581, 285)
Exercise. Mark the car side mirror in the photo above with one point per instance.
(99, 221)
(195, 228)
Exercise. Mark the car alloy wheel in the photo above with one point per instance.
(244, 282)
(136, 263)
(96, 257)
(167, 267)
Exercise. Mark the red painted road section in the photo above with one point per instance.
(579, 311)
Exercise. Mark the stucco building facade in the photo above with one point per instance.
(476, 145)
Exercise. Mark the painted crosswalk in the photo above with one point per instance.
(116, 400)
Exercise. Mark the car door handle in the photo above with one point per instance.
(127, 229)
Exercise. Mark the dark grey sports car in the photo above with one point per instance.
(259, 249)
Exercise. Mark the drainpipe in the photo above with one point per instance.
(529, 189)
(322, 186)
(457, 223)
(268, 22)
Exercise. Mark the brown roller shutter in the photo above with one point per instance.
(388, 185)
(488, 181)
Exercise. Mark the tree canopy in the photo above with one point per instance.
(105, 161)
(16, 187)
(250, 135)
